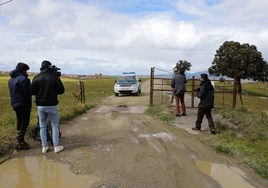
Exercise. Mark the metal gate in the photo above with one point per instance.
(161, 84)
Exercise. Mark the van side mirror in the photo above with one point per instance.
(115, 81)
(139, 80)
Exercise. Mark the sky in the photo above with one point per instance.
(115, 36)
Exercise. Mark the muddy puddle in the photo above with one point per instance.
(32, 172)
(226, 176)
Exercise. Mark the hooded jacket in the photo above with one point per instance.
(46, 86)
(20, 89)
(206, 95)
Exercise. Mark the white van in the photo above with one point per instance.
(127, 83)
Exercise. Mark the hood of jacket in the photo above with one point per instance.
(16, 72)
(207, 84)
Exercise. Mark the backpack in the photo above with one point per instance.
(36, 133)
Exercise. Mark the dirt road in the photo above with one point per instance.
(120, 146)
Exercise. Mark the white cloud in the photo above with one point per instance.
(86, 38)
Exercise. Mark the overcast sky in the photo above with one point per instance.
(111, 36)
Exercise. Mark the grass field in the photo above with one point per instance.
(95, 89)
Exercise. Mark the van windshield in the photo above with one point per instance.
(126, 79)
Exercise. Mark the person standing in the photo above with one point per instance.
(178, 84)
(21, 101)
(46, 86)
(206, 94)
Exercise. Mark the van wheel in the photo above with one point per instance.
(140, 91)
(116, 94)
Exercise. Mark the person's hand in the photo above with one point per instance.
(197, 89)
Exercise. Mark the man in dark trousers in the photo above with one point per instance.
(206, 94)
(21, 100)
(178, 84)
(46, 86)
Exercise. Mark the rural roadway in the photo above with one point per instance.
(117, 145)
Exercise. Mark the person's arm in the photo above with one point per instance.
(202, 92)
(26, 86)
(33, 87)
(173, 82)
(60, 87)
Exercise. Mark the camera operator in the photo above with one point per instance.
(46, 86)
(206, 94)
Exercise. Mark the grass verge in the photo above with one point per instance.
(160, 109)
(248, 142)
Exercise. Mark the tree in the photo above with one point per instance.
(221, 79)
(239, 61)
(185, 64)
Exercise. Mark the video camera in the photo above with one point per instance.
(56, 70)
(181, 69)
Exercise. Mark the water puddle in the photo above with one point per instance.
(34, 172)
(226, 176)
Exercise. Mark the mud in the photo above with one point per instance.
(116, 145)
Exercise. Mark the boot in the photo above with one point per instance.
(212, 131)
(22, 146)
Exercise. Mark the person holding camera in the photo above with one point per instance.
(21, 101)
(178, 84)
(206, 94)
(46, 86)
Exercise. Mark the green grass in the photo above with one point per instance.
(160, 110)
(95, 90)
(248, 142)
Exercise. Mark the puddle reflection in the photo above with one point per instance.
(227, 176)
(32, 172)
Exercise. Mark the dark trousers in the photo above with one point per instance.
(200, 114)
(23, 120)
(180, 99)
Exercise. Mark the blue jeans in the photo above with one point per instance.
(51, 112)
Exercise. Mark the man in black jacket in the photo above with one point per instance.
(46, 86)
(206, 94)
(21, 100)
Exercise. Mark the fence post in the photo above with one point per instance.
(162, 93)
(151, 86)
(83, 93)
(234, 90)
(193, 86)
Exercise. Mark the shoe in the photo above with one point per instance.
(183, 114)
(22, 146)
(178, 115)
(45, 149)
(212, 131)
(196, 129)
(58, 149)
